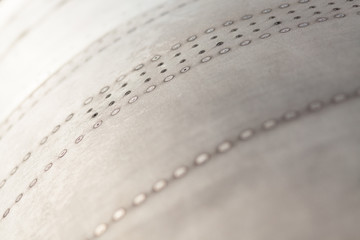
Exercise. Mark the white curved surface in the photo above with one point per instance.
(295, 180)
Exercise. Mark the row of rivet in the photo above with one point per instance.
(74, 68)
(221, 148)
(177, 46)
(29, 153)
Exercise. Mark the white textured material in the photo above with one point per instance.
(132, 98)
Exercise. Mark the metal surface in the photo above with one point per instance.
(191, 120)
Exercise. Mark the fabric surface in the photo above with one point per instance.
(192, 119)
